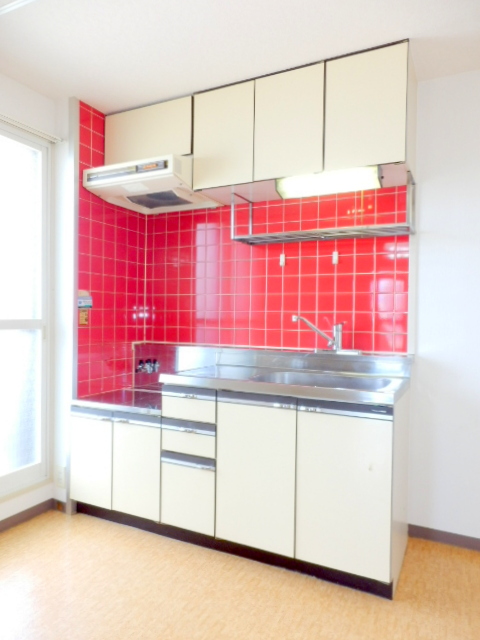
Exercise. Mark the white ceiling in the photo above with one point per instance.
(119, 54)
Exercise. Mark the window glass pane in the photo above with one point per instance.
(20, 230)
(20, 384)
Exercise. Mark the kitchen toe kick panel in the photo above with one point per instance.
(374, 587)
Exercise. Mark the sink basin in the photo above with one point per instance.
(300, 383)
(308, 379)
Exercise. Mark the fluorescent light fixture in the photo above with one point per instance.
(321, 184)
(10, 5)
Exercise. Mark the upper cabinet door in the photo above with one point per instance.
(158, 130)
(366, 108)
(223, 136)
(289, 123)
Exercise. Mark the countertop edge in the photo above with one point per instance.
(95, 404)
(277, 389)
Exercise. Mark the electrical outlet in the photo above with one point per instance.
(282, 260)
(335, 257)
(60, 477)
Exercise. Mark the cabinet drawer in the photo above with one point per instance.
(188, 492)
(195, 444)
(185, 403)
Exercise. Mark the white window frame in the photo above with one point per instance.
(35, 474)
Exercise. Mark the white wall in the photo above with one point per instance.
(445, 426)
(27, 106)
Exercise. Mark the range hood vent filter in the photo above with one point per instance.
(160, 199)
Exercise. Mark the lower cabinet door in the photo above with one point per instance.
(91, 461)
(188, 492)
(256, 476)
(344, 485)
(136, 470)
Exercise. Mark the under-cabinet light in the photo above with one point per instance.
(321, 184)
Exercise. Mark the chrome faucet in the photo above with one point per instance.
(335, 342)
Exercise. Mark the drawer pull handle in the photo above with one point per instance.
(178, 428)
(183, 461)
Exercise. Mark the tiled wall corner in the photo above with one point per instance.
(204, 288)
(111, 262)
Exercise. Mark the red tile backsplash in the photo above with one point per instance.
(111, 266)
(178, 277)
(203, 287)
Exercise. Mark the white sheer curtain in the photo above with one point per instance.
(23, 198)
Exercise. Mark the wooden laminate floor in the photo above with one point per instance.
(83, 578)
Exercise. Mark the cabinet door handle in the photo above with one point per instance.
(181, 429)
(185, 460)
(187, 463)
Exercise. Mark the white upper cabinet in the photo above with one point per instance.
(366, 108)
(223, 136)
(157, 130)
(289, 123)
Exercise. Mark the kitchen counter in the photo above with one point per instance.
(316, 385)
(325, 375)
(297, 433)
(130, 400)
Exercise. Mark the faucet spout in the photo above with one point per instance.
(335, 342)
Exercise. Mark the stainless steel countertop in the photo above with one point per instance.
(129, 400)
(370, 379)
(310, 384)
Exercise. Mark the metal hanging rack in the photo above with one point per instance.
(328, 233)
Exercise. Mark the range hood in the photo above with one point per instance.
(154, 185)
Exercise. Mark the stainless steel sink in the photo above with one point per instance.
(326, 376)
(309, 379)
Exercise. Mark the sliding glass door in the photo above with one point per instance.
(24, 167)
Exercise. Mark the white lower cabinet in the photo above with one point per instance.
(136, 469)
(256, 473)
(344, 493)
(188, 492)
(313, 484)
(91, 460)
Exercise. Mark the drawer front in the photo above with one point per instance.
(190, 443)
(188, 497)
(189, 408)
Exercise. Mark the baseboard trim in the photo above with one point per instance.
(60, 506)
(368, 585)
(434, 535)
(28, 514)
